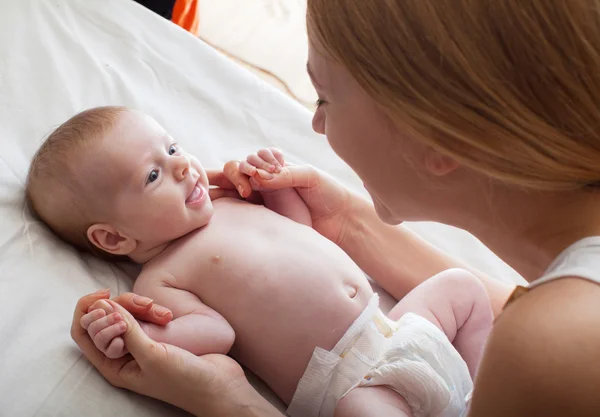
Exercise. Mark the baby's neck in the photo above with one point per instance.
(143, 256)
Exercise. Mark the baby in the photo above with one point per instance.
(253, 281)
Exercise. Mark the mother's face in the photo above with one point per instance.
(395, 170)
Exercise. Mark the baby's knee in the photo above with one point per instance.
(466, 294)
(460, 282)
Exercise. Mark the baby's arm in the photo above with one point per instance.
(195, 326)
(457, 303)
(266, 163)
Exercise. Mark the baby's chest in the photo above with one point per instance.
(219, 257)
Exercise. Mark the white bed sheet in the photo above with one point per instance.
(58, 57)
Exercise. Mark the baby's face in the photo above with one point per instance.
(158, 191)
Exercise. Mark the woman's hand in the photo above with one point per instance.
(212, 385)
(329, 202)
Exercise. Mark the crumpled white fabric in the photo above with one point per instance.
(411, 356)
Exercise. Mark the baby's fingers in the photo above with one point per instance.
(104, 337)
(268, 163)
(269, 155)
(91, 317)
(98, 325)
(116, 348)
(247, 169)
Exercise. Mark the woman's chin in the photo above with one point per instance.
(384, 214)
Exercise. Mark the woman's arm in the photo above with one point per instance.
(398, 259)
(541, 357)
(208, 385)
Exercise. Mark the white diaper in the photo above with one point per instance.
(411, 356)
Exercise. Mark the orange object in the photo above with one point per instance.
(185, 14)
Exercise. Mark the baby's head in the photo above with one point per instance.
(112, 179)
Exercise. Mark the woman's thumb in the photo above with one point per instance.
(136, 341)
(291, 176)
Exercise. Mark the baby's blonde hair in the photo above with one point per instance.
(55, 190)
(510, 88)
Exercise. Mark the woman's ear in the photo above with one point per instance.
(438, 164)
(109, 239)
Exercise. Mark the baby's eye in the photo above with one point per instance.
(172, 149)
(153, 176)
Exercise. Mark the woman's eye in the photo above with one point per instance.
(320, 102)
(153, 176)
(172, 150)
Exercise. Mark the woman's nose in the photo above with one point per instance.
(318, 122)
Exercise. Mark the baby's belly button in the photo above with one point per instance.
(351, 290)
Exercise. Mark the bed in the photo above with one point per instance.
(58, 57)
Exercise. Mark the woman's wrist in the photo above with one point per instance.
(374, 246)
(360, 215)
(245, 401)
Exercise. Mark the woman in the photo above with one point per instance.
(483, 115)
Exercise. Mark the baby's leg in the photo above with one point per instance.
(372, 401)
(457, 302)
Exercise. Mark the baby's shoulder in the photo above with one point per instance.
(155, 275)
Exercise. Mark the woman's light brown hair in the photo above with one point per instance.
(510, 88)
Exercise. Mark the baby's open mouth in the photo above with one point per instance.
(196, 196)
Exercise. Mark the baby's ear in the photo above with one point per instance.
(109, 239)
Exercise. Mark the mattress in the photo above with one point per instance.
(58, 57)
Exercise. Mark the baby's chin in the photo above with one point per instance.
(176, 230)
(201, 220)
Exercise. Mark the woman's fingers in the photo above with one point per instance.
(110, 370)
(255, 184)
(217, 178)
(142, 308)
(240, 181)
(138, 343)
(291, 176)
(81, 310)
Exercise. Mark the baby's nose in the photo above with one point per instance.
(182, 168)
(183, 171)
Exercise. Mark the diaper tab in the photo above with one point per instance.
(315, 383)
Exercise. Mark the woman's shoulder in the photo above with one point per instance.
(553, 311)
(541, 356)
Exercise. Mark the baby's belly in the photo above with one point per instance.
(277, 342)
(284, 288)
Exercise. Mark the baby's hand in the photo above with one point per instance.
(263, 163)
(105, 328)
